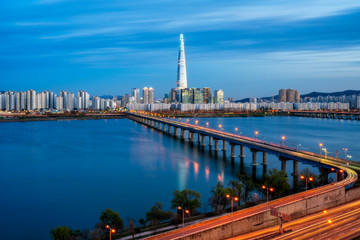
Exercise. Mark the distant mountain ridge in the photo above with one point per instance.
(312, 94)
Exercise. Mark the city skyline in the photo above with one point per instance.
(121, 45)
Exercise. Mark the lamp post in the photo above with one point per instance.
(232, 202)
(320, 146)
(256, 133)
(306, 181)
(183, 214)
(111, 230)
(345, 150)
(207, 124)
(196, 122)
(267, 193)
(325, 150)
(283, 139)
(236, 129)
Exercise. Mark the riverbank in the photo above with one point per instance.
(60, 118)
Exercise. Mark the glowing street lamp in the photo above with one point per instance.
(111, 230)
(283, 139)
(183, 214)
(196, 122)
(267, 193)
(220, 126)
(256, 133)
(232, 201)
(207, 124)
(345, 149)
(306, 181)
(320, 145)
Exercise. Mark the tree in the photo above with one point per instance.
(142, 222)
(248, 184)
(109, 217)
(156, 215)
(218, 200)
(186, 199)
(277, 179)
(237, 188)
(61, 233)
(131, 228)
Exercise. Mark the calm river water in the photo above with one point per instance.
(60, 173)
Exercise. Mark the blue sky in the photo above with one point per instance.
(247, 48)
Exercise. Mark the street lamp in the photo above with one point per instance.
(236, 130)
(306, 181)
(320, 146)
(256, 133)
(196, 122)
(220, 126)
(267, 193)
(325, 150)
(283, 138)
(345, 149)
(183, 214)
(232, 201)
(111, 230)
(207, 124)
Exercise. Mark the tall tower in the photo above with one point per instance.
(181, 71)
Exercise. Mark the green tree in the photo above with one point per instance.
(187, 199)
(61, 233)
(248, 185)
(131, 228)
(277, 179)
(156, 215)
(109, 217)
(218, 200)
(237, 188)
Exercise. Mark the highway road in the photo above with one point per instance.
(337, 223)
(265, 146)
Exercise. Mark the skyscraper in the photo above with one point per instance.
(181, 71)
(290, 95)
(207, 95)
(151, 95)
(146, 95)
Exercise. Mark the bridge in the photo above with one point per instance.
(325, 114)
(257, 217)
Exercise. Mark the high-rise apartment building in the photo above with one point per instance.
(136, 94)
(290, 95)
(282, 95)
(151, 95)
(197, 96)
(297, 96)
(83, 100)
(181, 81)
(219, 96)
(186, 95)
(207, 94)
(173, 95)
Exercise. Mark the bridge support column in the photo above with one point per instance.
(163, 127)
(199, 138)
(339, 176)
(224, 145)
(192, 137)
(182, 134)
(210, 141)
(216, 145)
(283, 163)
(264, 158)
(242, 155)
(254, 163)
(169, 129)
(175, 131)
(296, 169)
(203, 140)
(232, 151)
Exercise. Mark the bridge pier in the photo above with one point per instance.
(264, 158)
(163, 127)
(216, 145)
(175, 131)
(232, 151)
(254, 163)
(203, 140)
(210, 141)
(199, 138)
(283, 163)
(224, 145)
(242, 155)
(169, 129)
(295, 168)
(339, 175)
(182, 134)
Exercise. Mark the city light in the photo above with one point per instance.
(256, 133)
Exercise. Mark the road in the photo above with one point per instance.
(337, 223)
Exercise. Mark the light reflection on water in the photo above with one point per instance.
(66, 172)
